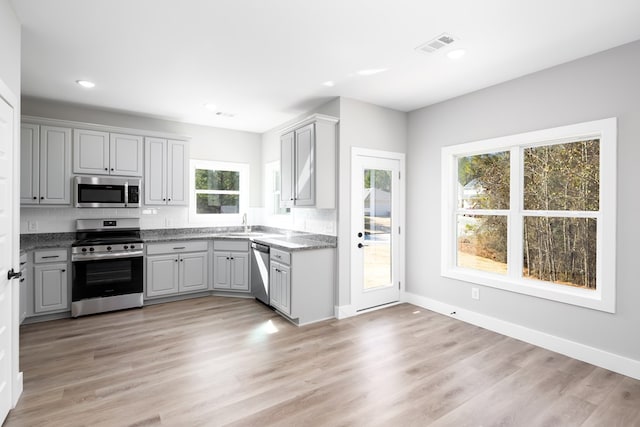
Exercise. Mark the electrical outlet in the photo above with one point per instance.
(32, 225)
(475, 293)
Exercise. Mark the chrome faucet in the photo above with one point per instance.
(247, 229)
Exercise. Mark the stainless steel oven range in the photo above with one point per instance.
(107, 261)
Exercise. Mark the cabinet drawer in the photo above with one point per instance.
(280, 256)
(56, 255)
(231, 245)
(176, 247)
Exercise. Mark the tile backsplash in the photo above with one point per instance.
(62, 219)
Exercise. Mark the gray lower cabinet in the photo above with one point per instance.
(302, 284)
(280, 287)
(176, 268)
(231, 265)
(50, 282)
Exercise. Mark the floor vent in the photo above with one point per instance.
(443, 40)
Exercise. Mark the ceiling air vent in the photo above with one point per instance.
(443, 40)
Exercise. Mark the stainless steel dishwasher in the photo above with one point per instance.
(260, 272)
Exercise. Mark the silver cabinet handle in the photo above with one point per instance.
(179, 247)
(51, 256)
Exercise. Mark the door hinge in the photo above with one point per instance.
(398, 230)
(398, 174)
(398, 285)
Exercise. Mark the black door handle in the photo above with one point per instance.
(11, 274)
(360, 234)
(360, 245)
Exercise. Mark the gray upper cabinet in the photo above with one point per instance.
(29, 164)
(104, 153)
(165, 172)
(45, 165)
(309, 164)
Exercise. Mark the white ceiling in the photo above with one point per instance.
(266, 60)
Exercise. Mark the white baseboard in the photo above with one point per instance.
(17, 389)
(344, 311)
(611, 361)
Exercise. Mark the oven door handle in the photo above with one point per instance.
(113, 255)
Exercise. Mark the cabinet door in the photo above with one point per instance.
(193, 272)
(221, 270)
(50, 282)
(280, 288)
(90, 152)
(240, 271)
(29, 164)
(305, 166)
(177, 173)
(162, 275)
(155, 171)
(125, 155)
(55, 165)
(286, 170)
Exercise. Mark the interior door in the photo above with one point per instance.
(7, 309)
(375, 228)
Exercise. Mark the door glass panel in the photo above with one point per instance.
(377, 228)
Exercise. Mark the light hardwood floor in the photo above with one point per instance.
(222, 361)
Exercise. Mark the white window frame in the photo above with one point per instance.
(219, 219)
(269, 169)
(603, 297)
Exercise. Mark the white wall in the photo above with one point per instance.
(207, 143)
(323, 221)
(595, 87)
(366, 126)
(9, 47)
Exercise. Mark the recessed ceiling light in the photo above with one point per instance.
(371, 72)
(329, 83)
(210, 106)
(456, 54)
(86, 83)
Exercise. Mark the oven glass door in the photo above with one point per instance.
(100, 193)
(106, 277)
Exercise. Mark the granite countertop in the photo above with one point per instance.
(276, 238)
(288, 241)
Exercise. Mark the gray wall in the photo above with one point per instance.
(9, 47)
(369, 126)
(599, 86)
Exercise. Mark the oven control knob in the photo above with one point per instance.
(91, 249)
(133, 247)
(108, 248)
(126, 247)
(84, 249)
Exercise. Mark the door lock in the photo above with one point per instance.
(360, 234)
(11, 274)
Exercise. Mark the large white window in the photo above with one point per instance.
(219, 191)
(534, 213)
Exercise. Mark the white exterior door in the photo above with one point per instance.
(376, 226)
(8, 309)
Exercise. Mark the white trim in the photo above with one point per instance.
(311, 119)
(604, 359)
(219, 219)
(344, 311)
(101, 128)
(15, 380)
(603, 298)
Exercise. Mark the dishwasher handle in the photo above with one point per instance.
(259, 247)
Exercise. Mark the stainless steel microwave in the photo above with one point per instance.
(106, 192)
